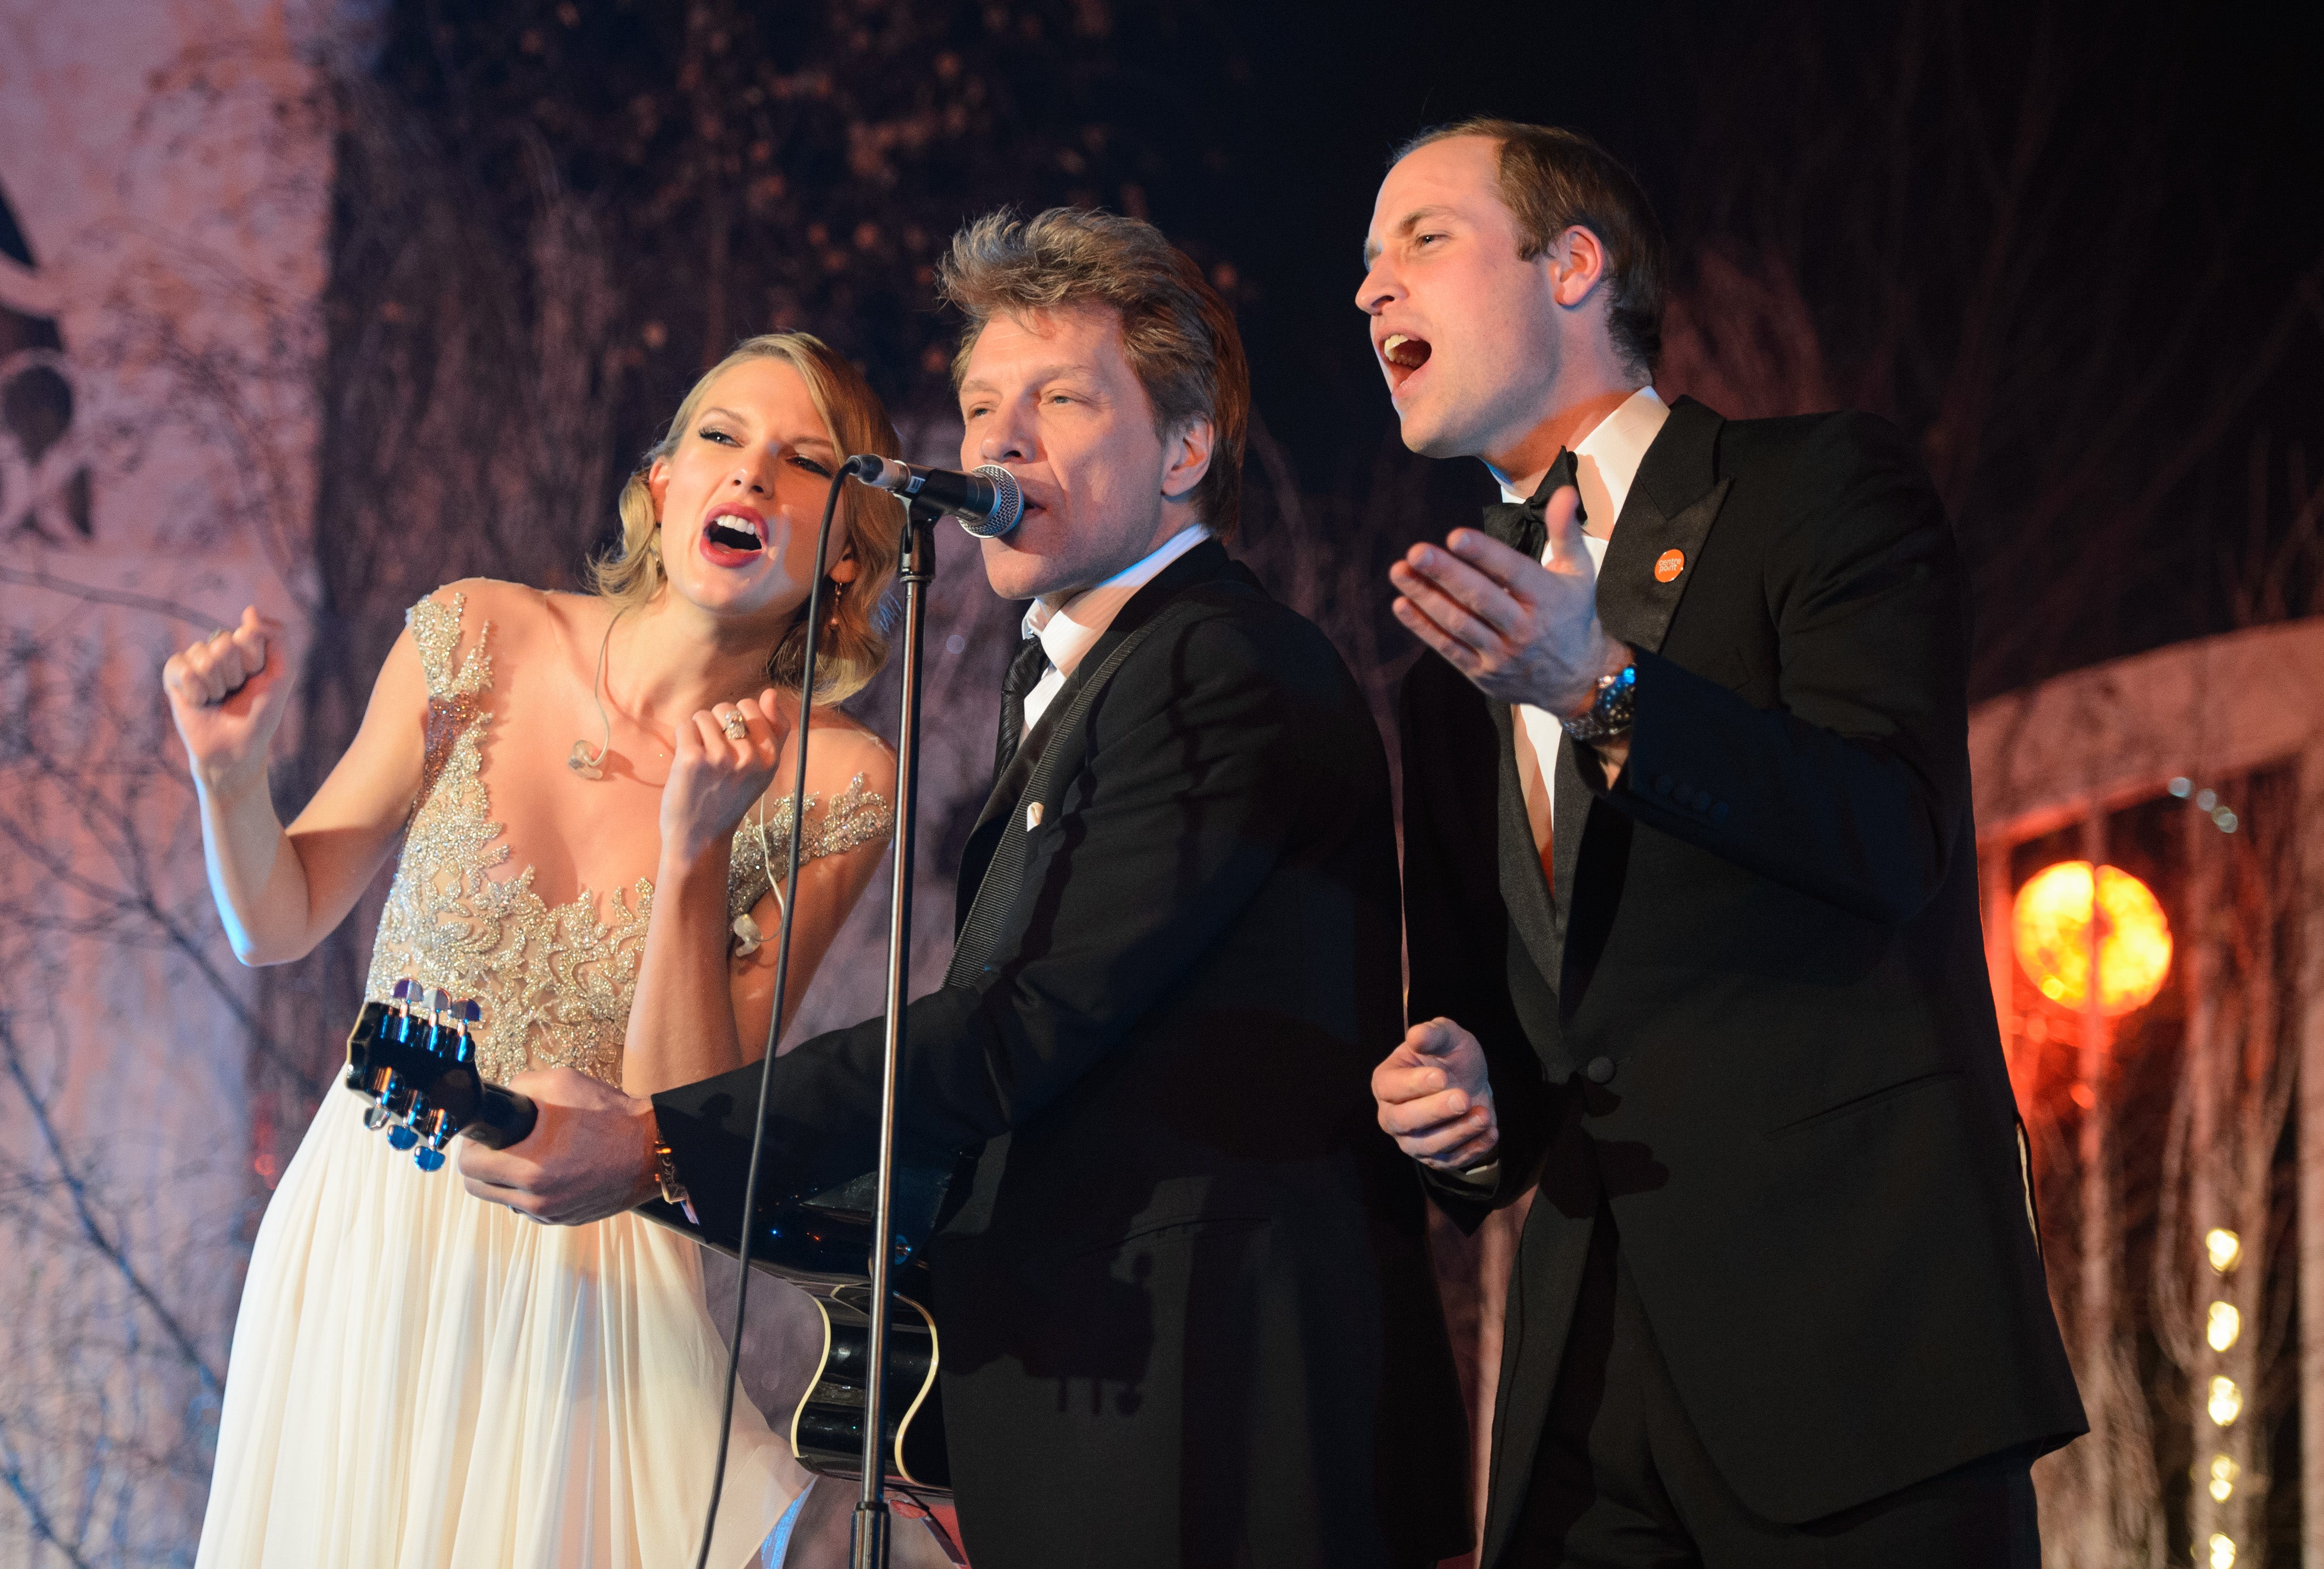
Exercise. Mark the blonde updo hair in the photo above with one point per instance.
(854, 641)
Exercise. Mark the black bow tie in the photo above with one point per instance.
(1521, 527)
(1565, 471)
(1024, 673)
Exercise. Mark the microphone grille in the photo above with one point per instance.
(1007, 507)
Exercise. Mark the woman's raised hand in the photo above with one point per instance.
(226, 693)
(725, 761)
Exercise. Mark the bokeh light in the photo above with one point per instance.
(2052, 924)
(2224, 1325)
(2223, 1248)
(2224, 1472)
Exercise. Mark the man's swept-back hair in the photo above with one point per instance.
(1552, 180)
(1177, 335)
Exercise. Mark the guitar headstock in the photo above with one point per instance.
(413, 1058)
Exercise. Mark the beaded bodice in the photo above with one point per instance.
(555, 984)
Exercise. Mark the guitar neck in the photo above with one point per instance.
(500, 1118)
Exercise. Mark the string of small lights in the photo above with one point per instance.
(2206, 801)
(2224, 1399)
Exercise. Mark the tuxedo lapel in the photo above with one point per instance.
(1673, 500)
(1533, 912)
(1524, 890)
(985, 837)
(1204, 562)
(1672, 504)
(1570, 805)
(1657, 540)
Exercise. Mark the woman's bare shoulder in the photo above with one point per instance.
(485, 593)
(518, 613)
(842, 748)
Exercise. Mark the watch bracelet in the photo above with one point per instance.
(1611, 714)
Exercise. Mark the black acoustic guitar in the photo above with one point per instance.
(414, 1060)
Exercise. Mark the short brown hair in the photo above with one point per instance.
(1552, 180)
(1178, 335)
(870, 522)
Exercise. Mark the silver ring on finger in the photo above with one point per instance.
(216, 633)
(734, 724)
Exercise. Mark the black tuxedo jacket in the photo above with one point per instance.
(1753, 1017)
(1186, 1311)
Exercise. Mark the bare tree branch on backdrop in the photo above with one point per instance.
(1977, 204)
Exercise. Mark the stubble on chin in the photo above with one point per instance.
(1012, 574)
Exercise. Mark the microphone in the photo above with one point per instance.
(987, 501)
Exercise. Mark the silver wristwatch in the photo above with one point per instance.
(1609, 716)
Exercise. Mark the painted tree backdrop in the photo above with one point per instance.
(323, 305)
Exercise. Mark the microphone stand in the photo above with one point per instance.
(915, 569)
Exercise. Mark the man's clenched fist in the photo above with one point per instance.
(1435, 1098)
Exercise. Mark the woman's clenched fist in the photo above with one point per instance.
(227, 695)
(723, 762)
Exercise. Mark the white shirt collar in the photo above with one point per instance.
(1071, 627)
(1606, 461)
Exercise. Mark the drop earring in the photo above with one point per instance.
(838, 590)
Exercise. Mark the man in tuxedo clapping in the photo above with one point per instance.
(1691, 905)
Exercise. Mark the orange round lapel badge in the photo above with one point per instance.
(1669, 565)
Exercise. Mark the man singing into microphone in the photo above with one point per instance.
(1186, 1310)
(1690, 895)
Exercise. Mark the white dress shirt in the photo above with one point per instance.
(1606, 462)
(1069, 627)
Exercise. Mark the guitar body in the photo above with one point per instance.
(821, 1244)
(413, 1060)
(827, 1430)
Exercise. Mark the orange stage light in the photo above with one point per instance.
(2052, 923)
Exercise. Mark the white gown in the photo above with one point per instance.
(421, 1380)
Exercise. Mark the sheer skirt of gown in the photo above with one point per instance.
(421, 1380)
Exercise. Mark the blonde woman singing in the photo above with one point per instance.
(576, 790)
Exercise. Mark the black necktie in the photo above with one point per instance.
(1024, 673)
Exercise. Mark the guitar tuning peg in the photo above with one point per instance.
(473, 1010)
(375, 1118)
(406, 1131)
(427, 1157)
